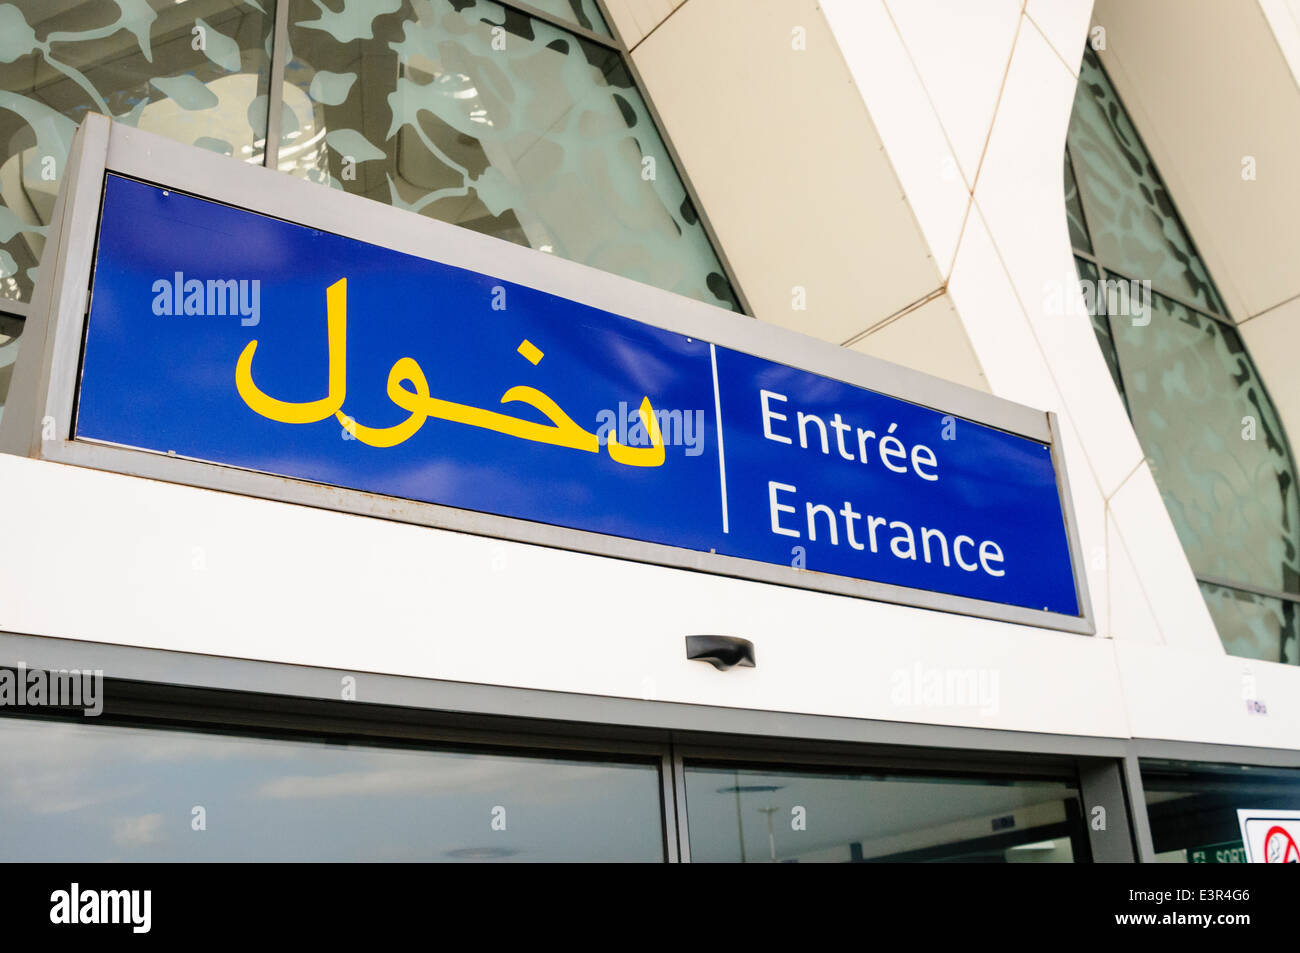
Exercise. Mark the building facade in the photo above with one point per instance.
(1087, 210)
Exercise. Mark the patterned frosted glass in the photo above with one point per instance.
(1131, 219)
(584, 13)
(1074, 210)
(133, 60)
(1254, 626)
(1193, 394)
(495, 121)
(10, 330)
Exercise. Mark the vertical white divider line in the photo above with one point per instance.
(722, 457)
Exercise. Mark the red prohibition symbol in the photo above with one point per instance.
(1280, 847)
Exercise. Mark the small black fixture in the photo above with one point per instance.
(720, 651)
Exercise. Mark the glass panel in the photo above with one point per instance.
(1214, 443)
(1193, 807)
(582, 12)
(779, 816)
(194, 71)
(481, 116)
(130, 794)
(1094, 297)
(1254, 626)
(10, 330)
(1074, 210)
(1131, 219)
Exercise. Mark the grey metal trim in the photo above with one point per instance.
(1146, 851)
(619, 38)
(47, 361)
(245, 676)
(668, 807)
(1071, 525)
(610, 41)
(18, 309)
(130, 152)
(1249, 587)
(814, 753)
(1164, 750)
(275, 85)
(150, 703)
(682, 825)
(1100, 785)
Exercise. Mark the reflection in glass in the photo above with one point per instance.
(116, 793)
(1214, 443)
(778, 816)
(481, 116)
(1131, 219)
(11, 329)
(583, 13)
(1254, 626)
(1193, 807)
(194, 71)
(1212, 437)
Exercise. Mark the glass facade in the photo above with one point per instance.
(1212, 437)
(199, 776)
(10, 329)
(762, 815)
(196, 71)
(1193, 807)
(480, 115)
(139, 794)
(583, 13)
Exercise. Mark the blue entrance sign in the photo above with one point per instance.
(225, 336)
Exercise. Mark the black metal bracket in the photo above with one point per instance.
(720, 651)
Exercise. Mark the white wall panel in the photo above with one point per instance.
(940, 36)
(118, 559)
(900, 109)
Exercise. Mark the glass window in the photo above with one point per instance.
(10, 330)
(1131, 219)
(196, 71)
(482, 116)
(1193, 807)
(1252, 625)
(135, 794)
(763, 815)
(1212, 436)
(1074, 210)
(1215, 447)
(583, 13)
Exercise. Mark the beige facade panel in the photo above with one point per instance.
(768, 117)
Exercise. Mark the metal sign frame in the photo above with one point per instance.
(40, 411)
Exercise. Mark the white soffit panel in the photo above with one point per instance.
(1209, 88)
(787, 164)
